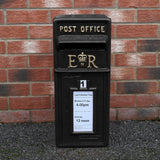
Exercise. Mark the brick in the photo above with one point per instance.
(123, 45)
(159, 59)
(28, 16)
(29, 102)
(14, 116)
(3, 104)
(148, 73)
(112, 59)
(51, 46)
(112, 89)
(94, 3)
(3, 76)
(41, 60)
(14, 89)
(148, 16)
(142, 59)
(13, 4)
(29, 46)
(125, 31)
(52, 74)
(2, 48)
(25, 75)
(137, 114)
(50, 3)
(112, 114)
(113, 31)
(55, 13)
(43, 116)
(138, 3)
(53, 102)
(1, 17)
(136, 87)
(45, 88)
(118, 73)
(40, 32)
(122, 101)
(159, 87)
(148, 45)
(148, 100)
(119, 15)
(13, 61)
(8, 32)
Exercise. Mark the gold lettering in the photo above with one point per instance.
(74, 28)
(87, 28)
(70, 29)
(65, 28)
(102, 29)
(91, 28)
(98, 28)
(91, 60)
(71, 61)
(82, 29)
(61, 28)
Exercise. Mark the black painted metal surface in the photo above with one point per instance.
(82, 46)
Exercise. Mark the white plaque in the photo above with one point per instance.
(82, 111)
(83, 84)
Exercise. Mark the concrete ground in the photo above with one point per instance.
(129, 140)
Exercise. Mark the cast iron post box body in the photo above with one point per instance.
(82, 79)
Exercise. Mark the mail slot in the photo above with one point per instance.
(82, 46)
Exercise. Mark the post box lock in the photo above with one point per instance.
(82, 46)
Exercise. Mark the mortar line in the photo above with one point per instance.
(157, 59)
(117, 4)
(136, 16)
(72, 3)
(24, 24)
(28, 33)
(6, 47)
(80, 8)
(113, 38)
(44, 68)
(157, 87)
(50, 24)
(115, 31)
(5, 17)
(49, 17)
(28, 3)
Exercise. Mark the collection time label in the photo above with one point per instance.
(82, 111)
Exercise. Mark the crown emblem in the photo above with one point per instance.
(82, 57)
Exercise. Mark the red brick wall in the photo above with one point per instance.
(26, 60)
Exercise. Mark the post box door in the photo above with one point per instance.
(82, 79)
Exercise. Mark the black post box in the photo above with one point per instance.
(82, 46)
